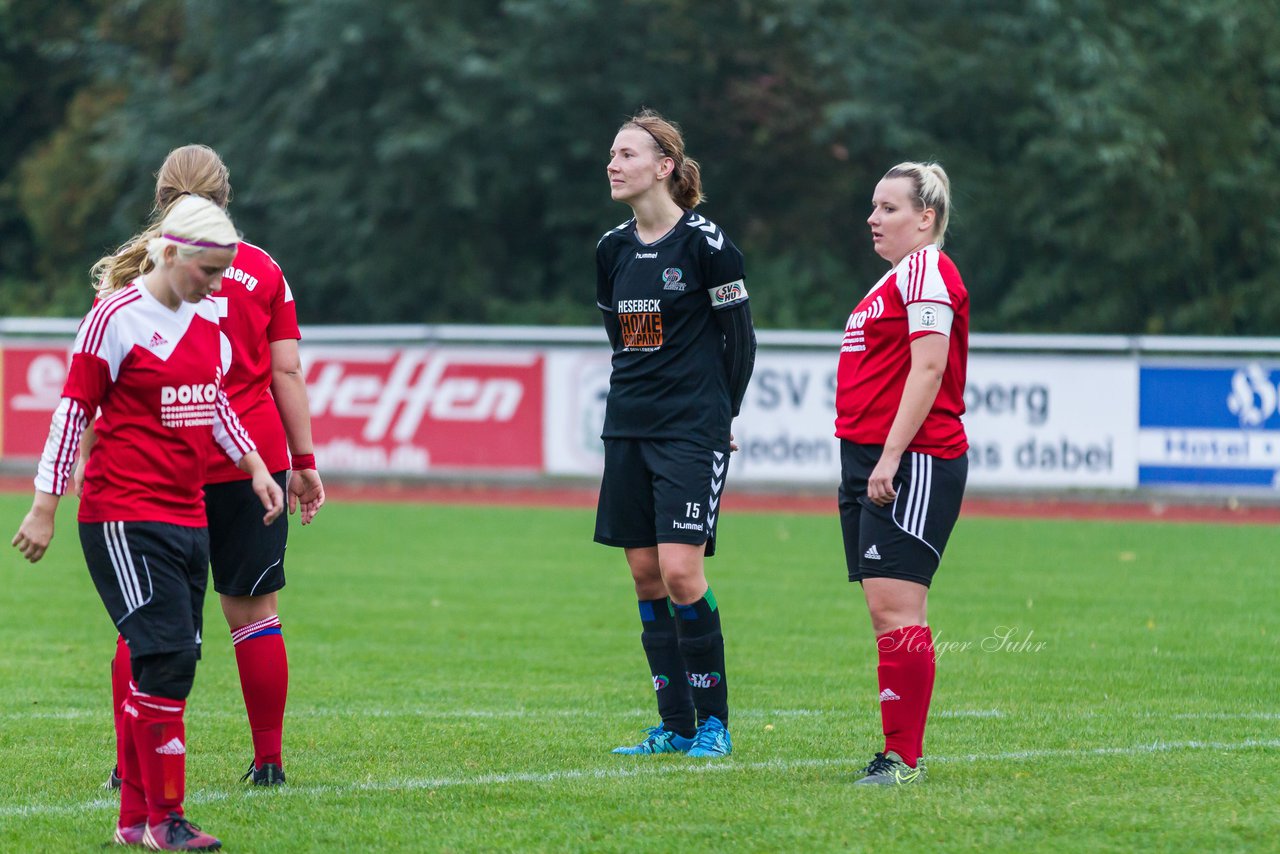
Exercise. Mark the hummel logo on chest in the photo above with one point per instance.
(157, 340)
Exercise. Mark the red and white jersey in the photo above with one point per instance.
(923, 295)
(256, 308)
(155, 374)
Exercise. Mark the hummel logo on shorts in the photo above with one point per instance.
(872, 553)
(887, 694)
(172, 747)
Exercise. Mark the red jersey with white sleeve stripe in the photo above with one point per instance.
(154, 374)
(255, 308)
(922, 295)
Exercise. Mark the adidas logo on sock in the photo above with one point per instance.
(175, 747)
(872, 553)
(887, 694)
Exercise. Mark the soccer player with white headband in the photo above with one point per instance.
(150, 360)
(264, 382)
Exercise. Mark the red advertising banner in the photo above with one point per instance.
(375, 410)
(31, 379)
(414, 410)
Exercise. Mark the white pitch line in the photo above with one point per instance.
(534, 714)
(723, 766)
(467, 714)
(1227, 716)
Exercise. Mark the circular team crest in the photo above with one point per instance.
(671, 279)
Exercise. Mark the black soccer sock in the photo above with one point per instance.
(702, 646)
(662, 648)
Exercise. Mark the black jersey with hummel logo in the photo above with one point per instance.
(669, 308)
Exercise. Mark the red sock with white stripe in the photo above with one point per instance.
(160, 738)
(905, 663)
(121, 679)
(264, 680)
(133, 799)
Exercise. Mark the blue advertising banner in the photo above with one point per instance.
(1211, 424)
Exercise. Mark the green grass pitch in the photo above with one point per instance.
(460, 674)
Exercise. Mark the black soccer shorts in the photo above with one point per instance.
(152, 578)
(660, 491)
(906, 538)
(248, 556)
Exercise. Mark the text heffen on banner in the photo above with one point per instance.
(413, 410)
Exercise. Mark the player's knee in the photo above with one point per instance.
(645, 569)
(165, 674)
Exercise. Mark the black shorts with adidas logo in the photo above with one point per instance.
(152, 578)
(906, 538)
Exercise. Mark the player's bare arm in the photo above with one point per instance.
(288, 387)
(36, 530)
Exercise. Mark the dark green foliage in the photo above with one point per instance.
(1114, 164)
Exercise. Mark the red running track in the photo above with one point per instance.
(1121, 508)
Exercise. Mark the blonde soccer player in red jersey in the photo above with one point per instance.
(903, 451)
(265, 385)
(149, 361)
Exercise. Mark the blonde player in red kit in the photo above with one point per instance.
(149, 359)
(903, 452)
(265, 385)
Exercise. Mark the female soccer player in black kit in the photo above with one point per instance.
(670, 285)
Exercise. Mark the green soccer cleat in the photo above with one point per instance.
(659, 739)
(711, 741)
(888, 769)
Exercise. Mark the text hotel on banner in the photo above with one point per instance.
(1215, 424)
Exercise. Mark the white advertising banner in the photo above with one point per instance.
(1052, 421)
(1033, 421)
(786, 431)
(577, 385)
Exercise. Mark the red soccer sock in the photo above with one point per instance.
(264, 680)
(133, 799)
(121, 679)
(159, 737)
(904, 674)
(930, 672)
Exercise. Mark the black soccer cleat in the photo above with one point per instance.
(269, 774)
(113, 780)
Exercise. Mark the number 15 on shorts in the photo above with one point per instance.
(692, 510)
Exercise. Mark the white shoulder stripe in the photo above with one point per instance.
(918, 278)
(614, 230)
